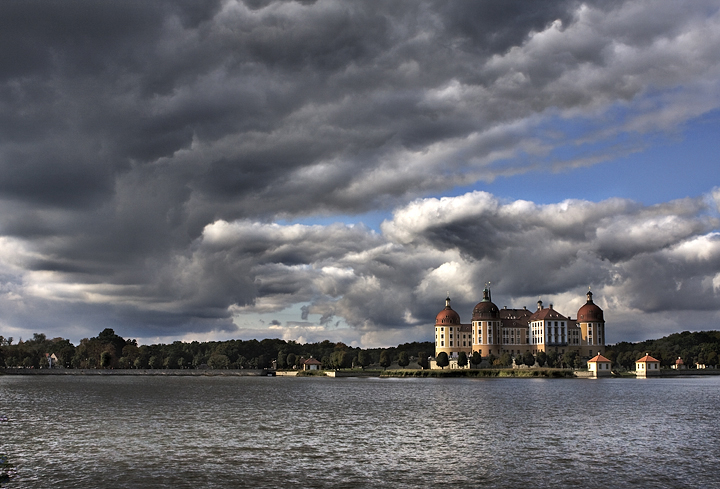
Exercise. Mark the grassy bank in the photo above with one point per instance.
(473, 373)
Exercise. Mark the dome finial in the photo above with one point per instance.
(486, 292)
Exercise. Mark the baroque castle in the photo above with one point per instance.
(516, 331)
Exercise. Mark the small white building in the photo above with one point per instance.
(599, 366)
(679, 364)
(647, 366)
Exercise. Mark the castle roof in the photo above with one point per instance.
(546, 313)
(599, 358)
(447, 315)
(485, 309)
(514, 318)
(590, 311)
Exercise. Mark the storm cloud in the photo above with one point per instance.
(154, 156)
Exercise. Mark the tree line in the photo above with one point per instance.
(701, 347)
(552, 359)
(109, 350)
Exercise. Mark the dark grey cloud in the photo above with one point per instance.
(130, 132)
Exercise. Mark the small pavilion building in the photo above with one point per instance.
(679, 364)
(599, 366)
(311, 364)
(647, 366)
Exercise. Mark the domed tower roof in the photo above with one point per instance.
(485, 309)
(590, 311)
(447, 315)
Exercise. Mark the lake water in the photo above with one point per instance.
(218, 432)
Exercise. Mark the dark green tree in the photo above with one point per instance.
(462, 359)
(105, 359)
(528, 359)
(385, 359)
(263, 361)
(155, 361)
(541, 358)
(363, 359)
(291, 359)
(423, 360)
(476, 358)
(491, 359)
(218, 361)
(281, 360)
(442, 360)
(553, 359)
(341, 359)
(505, 359)
(403, 359)
(569, 358)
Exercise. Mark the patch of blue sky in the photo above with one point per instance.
(647, 168)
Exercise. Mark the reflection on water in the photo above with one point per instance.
(213, 432)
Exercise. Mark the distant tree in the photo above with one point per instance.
(711, 358)
(363, 359)
(130, 352)
(442, 360)
(282, 360)
(218, 361)
(341, 359)
(568, 358)
(541, 358)
(491, 359)
(611, 355)
(105, 359)
(579, 362)
(476, 358)
(385, 359)
(263, 361)
(505, 359)
(423, 360)
(528, 359)
(552, 359)
(462, 359)
(155, 361)
(403, 359)
(291, 359)
(326, 362)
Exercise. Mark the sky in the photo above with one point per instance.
(311, 170)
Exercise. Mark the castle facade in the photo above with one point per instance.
(516, 331)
